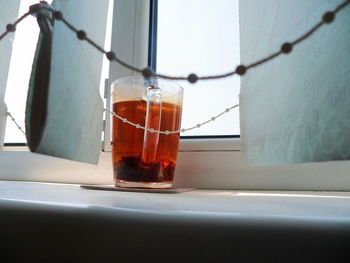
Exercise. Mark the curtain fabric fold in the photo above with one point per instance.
(295, 108)
(69, 124)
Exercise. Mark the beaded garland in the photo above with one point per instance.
(240, 70)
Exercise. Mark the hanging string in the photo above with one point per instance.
(12, 27)
(166, 132)
(16, 123)
(240, 70)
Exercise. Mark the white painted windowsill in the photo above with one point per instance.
(266, 205)
(49, 222)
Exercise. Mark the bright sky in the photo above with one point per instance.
(202, 36)
(21, 61)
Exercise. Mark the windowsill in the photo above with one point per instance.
(49, 222)
(267, 205)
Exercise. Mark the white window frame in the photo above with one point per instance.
(202, 163)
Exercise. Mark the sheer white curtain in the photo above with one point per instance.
(295, 108)
(8, 14)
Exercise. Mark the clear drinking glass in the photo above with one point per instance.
(143, 158)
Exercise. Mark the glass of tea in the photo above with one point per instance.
(145, 158)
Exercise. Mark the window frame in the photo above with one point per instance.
(210, 163)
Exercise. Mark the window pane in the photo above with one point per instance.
(202, 37)
(24, 44)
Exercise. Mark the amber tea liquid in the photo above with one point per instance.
(131, 168)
